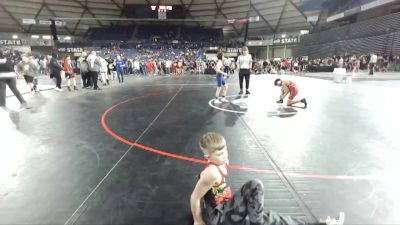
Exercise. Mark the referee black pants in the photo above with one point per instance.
(244, 73)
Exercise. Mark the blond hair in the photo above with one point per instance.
(211, 142)
(245, 49)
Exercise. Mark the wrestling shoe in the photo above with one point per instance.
(240, 92)
(75, 88)
(335, 221)
(217, 101)
(25, 105)
(280, 101)
(304, 101)
(247, 92)
(224, 99)
(69, 88)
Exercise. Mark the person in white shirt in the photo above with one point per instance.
(168, 64)
(105, 79)
(372, 62)
(136, 66)
(94, 68)
(244, 63)
(341, 62)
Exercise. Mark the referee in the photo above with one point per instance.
(244, 63)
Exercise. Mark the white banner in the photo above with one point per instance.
(335, 17)
(28, 21)
(45, 22)
(260, 43)
(48, 22)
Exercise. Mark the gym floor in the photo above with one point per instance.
(128, 154)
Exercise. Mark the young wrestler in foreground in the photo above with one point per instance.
(213, 203)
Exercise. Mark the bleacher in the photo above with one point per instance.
(165, 32)
(201, 34)
(146, 32)
(381, 34)
(110, 33)
(376, 26)
(352, 4)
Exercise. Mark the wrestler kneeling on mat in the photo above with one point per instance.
(213, 203)
(289, 87)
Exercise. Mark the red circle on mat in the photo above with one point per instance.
(194, 160)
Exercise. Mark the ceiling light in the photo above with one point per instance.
(14, 36)
(67, 38)
(34, 36)
(47, 37)
(283, 35)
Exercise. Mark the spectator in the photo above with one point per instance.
(69, 73)
(397, 64)
(120, 65)
(372, 61)
(94, 69)
(168, 64)
(8, 77)
(113, 69)
(55, 71)
(28, 69)
(104, 71)
(84, 70)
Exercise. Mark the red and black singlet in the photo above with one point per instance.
(219, 193)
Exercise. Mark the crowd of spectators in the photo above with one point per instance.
(381, 63)
(106, 64)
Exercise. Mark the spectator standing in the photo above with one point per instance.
(84, 70)
(69, 73)
(168, 65)
(397, 63)
(113, 69)
(34, 66)
(143, 69)
(136, 66)
(8, 77)
(26, 68)
(43, 66)
(104, 71)
(149, 66)
(55, 71)
(94, 68)
(120, 65)
(372, 61)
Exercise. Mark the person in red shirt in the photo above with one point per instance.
(175, 67)
(289, 87)
(69, 73)
(150, 67)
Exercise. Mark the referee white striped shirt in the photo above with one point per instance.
(244, 61)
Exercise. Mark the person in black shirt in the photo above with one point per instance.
(8, 77)
(55, 71)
